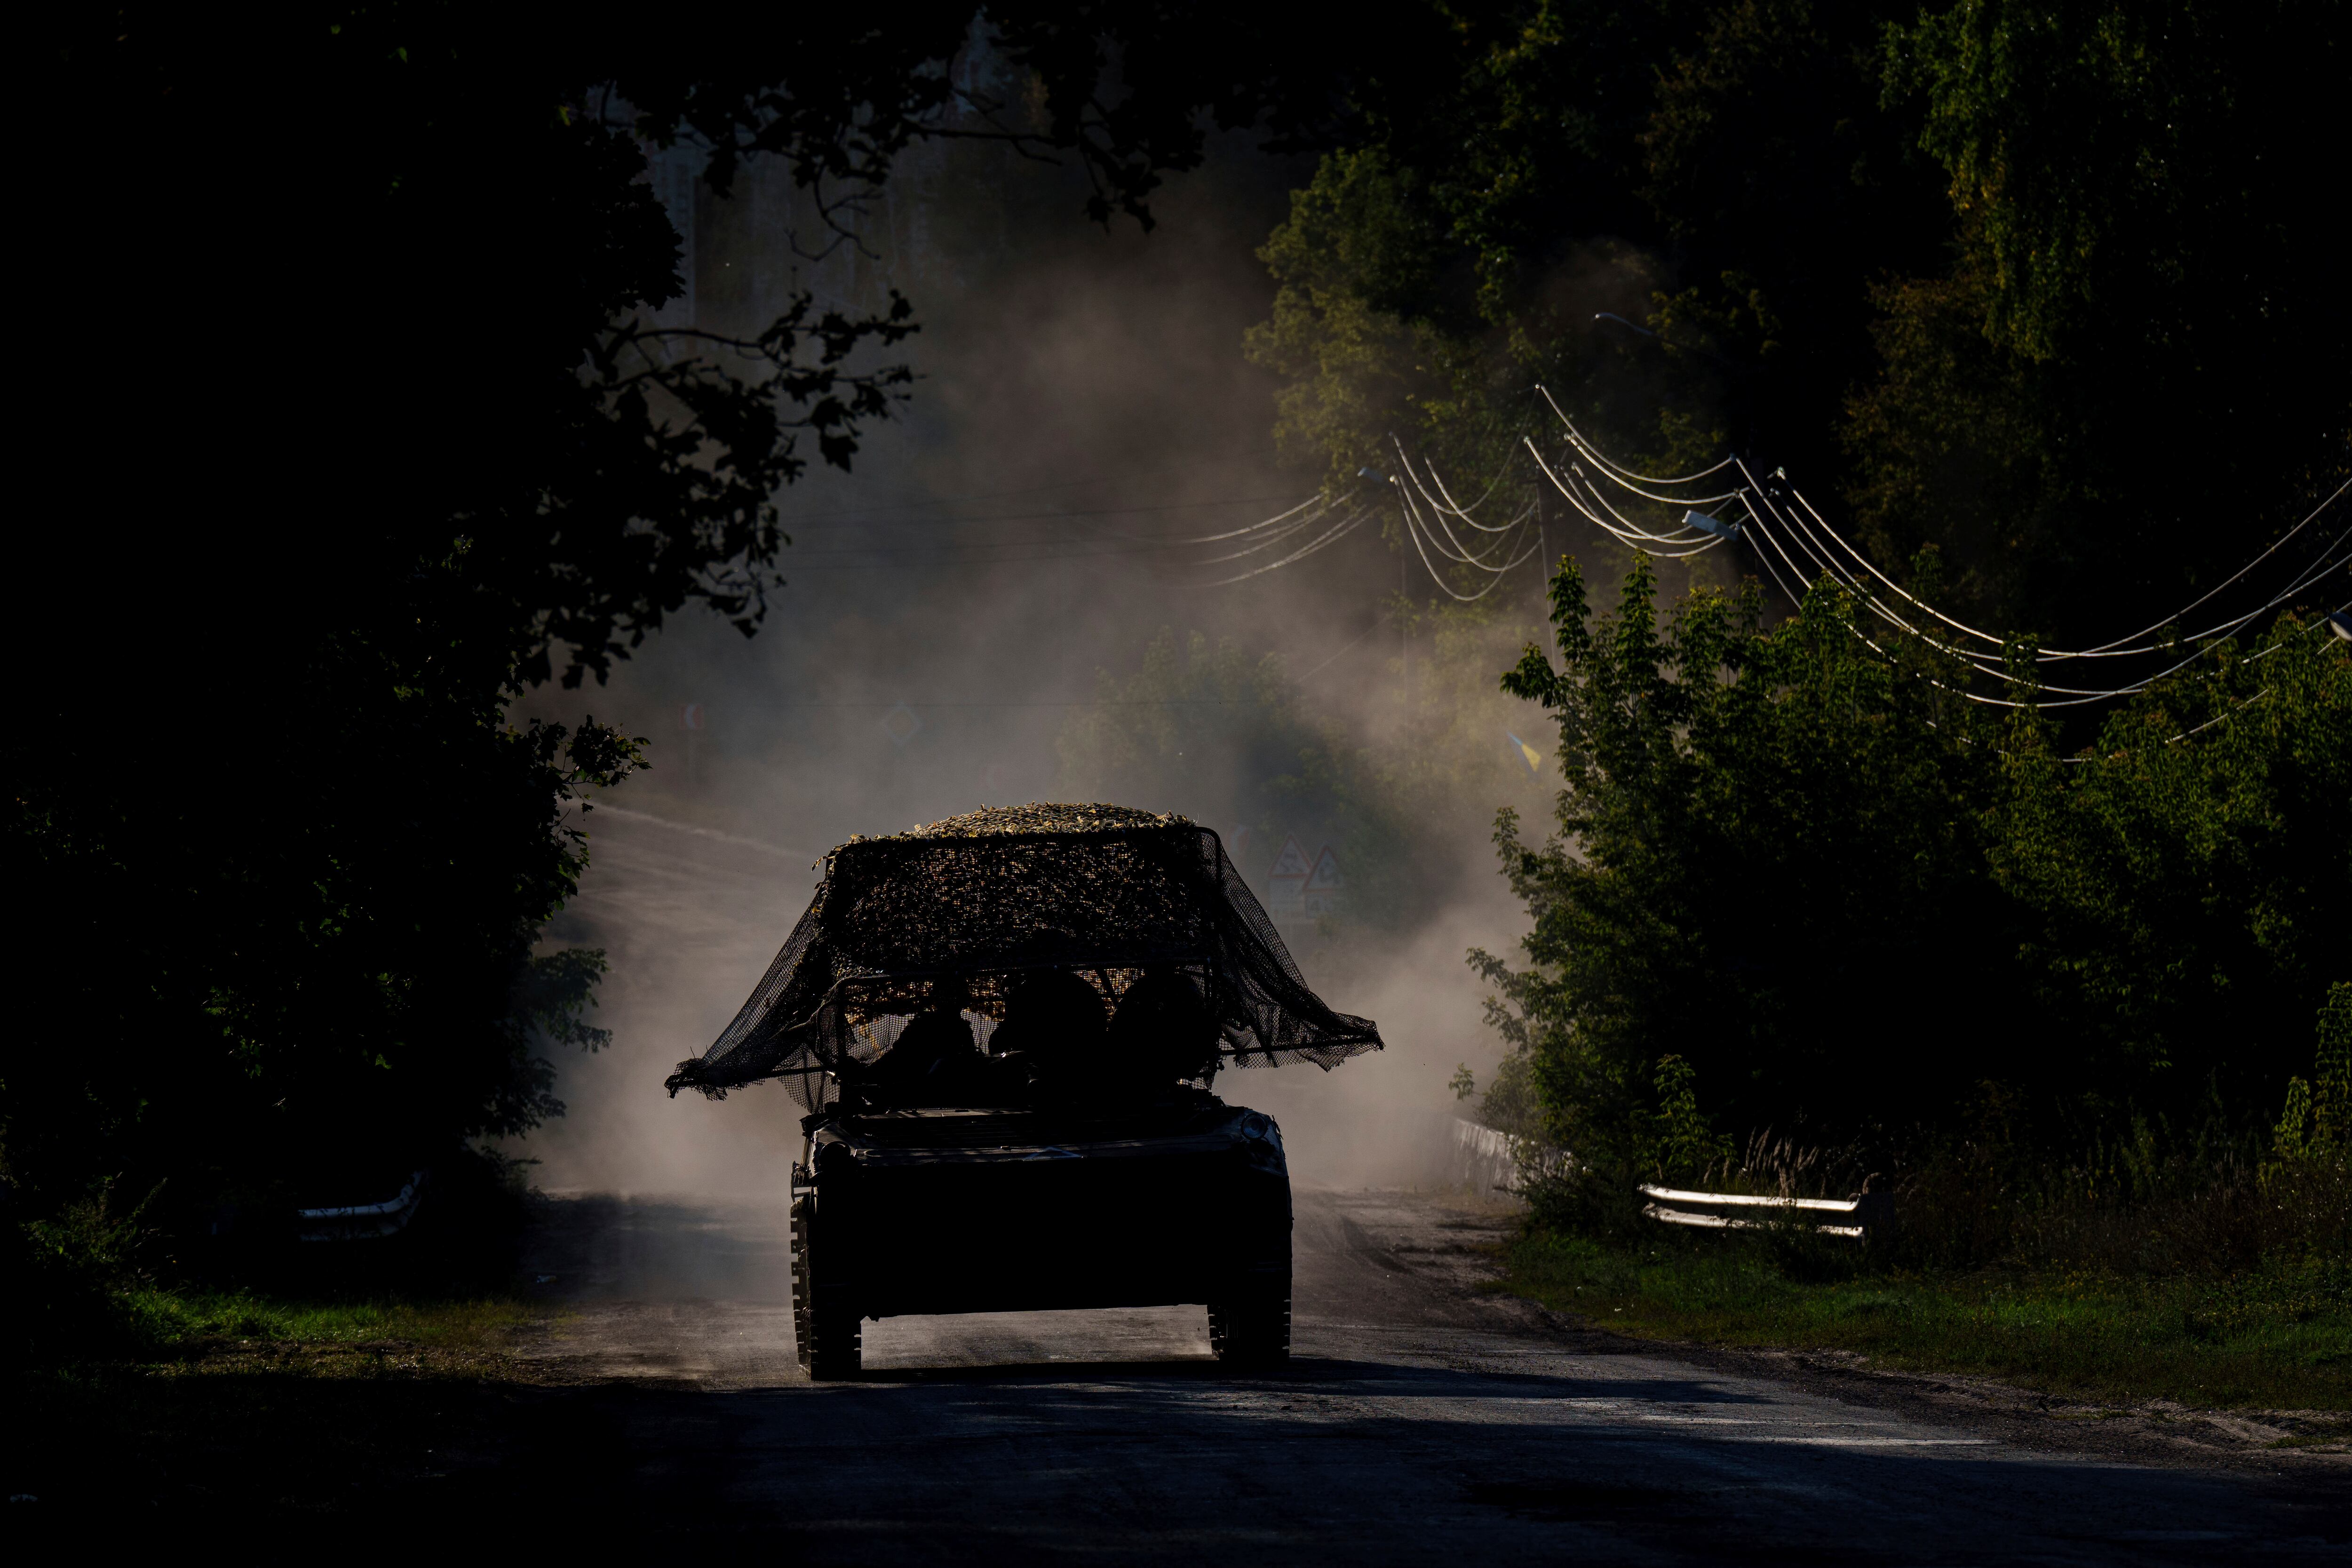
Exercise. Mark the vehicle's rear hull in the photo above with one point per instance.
(909, 1219)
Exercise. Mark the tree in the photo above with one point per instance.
(2135, 374)
(1852, 909)
(368, 431)
(2182, 877)
(1764, 840)
(2042, 287)
(358, 423)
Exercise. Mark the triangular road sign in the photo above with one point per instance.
(1291, 863)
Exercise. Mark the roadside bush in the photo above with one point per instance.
(1801, 901)
(1765, 839)
(94, 1282)
(68, 1277)
(2306, 1185)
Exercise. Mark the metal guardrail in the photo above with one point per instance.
(363, 1221)
(1483, 1159)
(1864, 1217)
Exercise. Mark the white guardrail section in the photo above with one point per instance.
(362, 1221)
(1485, 1160)
(1869, 1213)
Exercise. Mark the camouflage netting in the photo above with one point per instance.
(1006, 889)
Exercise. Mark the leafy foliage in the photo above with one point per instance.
(274, 990)
(2316, 1126)
(2044, 287)
(1798, 889)
(362, 423)
(2098, 147)
(2184, 914)
(1764, 838)
(1348, 332)
(356, 425)
(2140, 319)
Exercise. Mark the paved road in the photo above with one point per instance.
(1420, 1421)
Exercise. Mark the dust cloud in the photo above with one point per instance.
(949, 606)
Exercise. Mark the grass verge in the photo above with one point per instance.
(2280, 1338)
(176, 1322)
(284, 1414)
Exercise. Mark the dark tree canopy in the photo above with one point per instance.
(1812, 893)
(355, 423)
(2049, 288)
(358, 425)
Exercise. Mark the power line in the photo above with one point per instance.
(1059, 516)
(1274, 529)
(1121, 476)
(1069, 702)
(1787, 533)
(1345, 648)
(1347, 526)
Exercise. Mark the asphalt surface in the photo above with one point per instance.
(1422, 1419)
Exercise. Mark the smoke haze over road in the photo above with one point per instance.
(950, 605)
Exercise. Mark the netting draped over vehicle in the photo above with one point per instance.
(995, 893)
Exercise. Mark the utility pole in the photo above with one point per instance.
(1404, 579)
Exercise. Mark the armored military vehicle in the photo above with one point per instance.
(1003, 1028)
